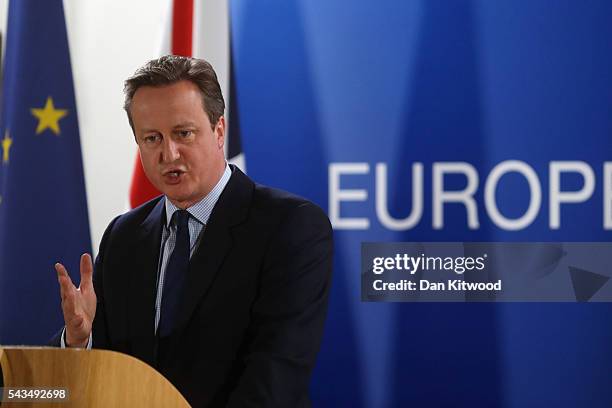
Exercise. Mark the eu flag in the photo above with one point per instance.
(43, 207)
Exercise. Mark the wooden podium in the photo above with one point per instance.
(92, 378)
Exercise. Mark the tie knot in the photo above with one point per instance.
(181, 218)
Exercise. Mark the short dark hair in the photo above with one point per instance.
(170, 69)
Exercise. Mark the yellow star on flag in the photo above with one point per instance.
(48, 117)
(6, 145)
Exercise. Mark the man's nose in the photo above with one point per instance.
(170, 151)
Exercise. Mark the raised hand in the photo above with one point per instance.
(78, 305)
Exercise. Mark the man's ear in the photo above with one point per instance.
(220, 132)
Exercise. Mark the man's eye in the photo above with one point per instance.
(185, 133)
(151, 138)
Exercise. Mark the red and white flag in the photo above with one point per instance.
(200, 29)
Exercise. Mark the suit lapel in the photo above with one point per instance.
(142, 285)
(216, 242)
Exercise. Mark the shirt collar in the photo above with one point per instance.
(201, 210)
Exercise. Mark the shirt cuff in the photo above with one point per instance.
(63, 340)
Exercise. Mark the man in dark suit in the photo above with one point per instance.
(221, 284)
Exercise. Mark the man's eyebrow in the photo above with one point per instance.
(147, 130)
(184, 125)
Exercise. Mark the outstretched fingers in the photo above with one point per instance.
(86, 273)
(67, 290)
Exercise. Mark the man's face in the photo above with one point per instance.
(182, 155)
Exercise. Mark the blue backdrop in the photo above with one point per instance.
(43, 208)
(322, 82)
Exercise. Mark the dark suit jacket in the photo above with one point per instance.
(255, 300)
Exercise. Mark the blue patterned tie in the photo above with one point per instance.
(176, 271)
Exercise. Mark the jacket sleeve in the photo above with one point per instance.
(288, 315)
(99, 330)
